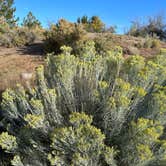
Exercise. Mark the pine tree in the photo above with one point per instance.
(31, 21)
(7, 11)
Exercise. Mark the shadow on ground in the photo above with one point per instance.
(33, 49)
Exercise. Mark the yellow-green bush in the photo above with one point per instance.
(18, 36)
(63, 33)
(156, 43)
(163, 51)
(152, 43)
(148, 43)
(87, 109)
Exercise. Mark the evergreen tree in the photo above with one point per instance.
(31, 21)
(84, 20)
(7, 11)
(93, 24)
(96, 24)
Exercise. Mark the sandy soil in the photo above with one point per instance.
(14, 61)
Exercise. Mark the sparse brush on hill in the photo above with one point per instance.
(131, 45)
(155, 27)
(17, 36)
(10, 34)
(152, 43)
(89, 110)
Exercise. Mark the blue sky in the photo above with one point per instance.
(112, 12)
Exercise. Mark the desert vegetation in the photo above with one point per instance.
(154, 27)
(87, 109)
(11, 34)
(80, 94)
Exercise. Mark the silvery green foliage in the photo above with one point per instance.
(140, 143)
(96, 84)
(104, 101)
(80, 144)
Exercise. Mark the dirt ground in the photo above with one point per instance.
(14, 61)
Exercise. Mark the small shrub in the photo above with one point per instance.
(133, 50)
(151, 43)
(17, 37)
(156, 43)
(148, 43)
(104, 43)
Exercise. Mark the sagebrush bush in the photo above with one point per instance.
(148, 43)
(156, 43)
(152, 43)
(17, 36)
(89, 110)
(104, 43)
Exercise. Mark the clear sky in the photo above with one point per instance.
(112, 12)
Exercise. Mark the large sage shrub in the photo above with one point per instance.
(87, 110)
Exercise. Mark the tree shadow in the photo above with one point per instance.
(32, 49)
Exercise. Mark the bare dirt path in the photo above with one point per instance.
(14, 61)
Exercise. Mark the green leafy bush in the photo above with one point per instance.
(88, 109)
(104, 43)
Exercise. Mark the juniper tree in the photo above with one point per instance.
(96, 24)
